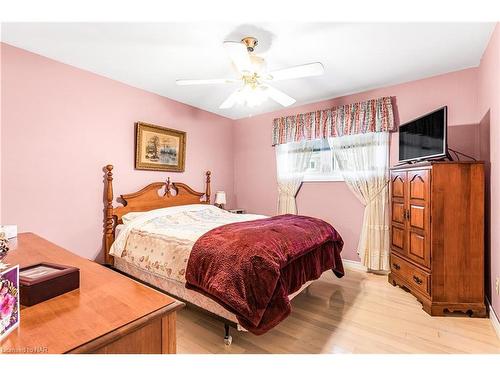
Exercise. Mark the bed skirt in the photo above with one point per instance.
(178, 289)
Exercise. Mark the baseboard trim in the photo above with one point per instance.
(357, 266)
(353, 265)
(494, 319)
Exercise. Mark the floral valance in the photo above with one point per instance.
(371, 116)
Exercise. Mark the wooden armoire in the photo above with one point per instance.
(437, 235)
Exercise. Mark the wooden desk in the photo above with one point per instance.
(109, 313)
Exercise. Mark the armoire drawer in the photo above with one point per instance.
(416, 278)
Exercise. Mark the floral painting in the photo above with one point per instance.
(9, 300)
(159, 148)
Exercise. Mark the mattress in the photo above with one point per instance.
(174, 288)
(118, 229)
(178, 289)
(154, 247)
(160, 241)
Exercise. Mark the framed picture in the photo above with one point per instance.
(38, 271)
(9, 300)
(159, 149)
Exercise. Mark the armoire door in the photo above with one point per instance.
(418, 217)
(398, 211)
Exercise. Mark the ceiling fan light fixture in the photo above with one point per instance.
(254, 76)
(258, 63)
(252, 96)
(250, 42)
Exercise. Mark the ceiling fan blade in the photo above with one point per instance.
(215, 81)
(231, 100)
(279, 96)
(299, 71)
(238, 53)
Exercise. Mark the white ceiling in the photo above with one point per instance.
(356, 56)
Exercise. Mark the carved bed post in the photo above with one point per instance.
(109, 233)
(207, 188)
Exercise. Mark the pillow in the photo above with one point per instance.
(126, 219)
(131, 216)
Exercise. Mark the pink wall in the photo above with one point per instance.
(1, 85)
(254, 159)
(489, 114)
(61, 125)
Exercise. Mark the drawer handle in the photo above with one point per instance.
(396, 266)
(417, 280)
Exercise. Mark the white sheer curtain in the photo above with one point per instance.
(364, 162)
(292, 160)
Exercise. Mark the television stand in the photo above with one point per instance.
(437, 235)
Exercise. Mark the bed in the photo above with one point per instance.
(151, 237)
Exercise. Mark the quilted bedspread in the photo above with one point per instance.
(251, 267)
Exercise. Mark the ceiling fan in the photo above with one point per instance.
(255, 88)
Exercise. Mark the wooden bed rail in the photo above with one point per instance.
(153, 196)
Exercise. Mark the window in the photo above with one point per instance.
(322, 166)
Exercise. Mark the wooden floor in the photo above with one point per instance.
(360, 313)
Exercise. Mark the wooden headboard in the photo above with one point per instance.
(153, 196)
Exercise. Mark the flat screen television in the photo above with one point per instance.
(424, 137)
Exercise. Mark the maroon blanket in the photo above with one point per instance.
(251, 267)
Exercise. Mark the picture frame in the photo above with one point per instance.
(159, 149)
(9, 300)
